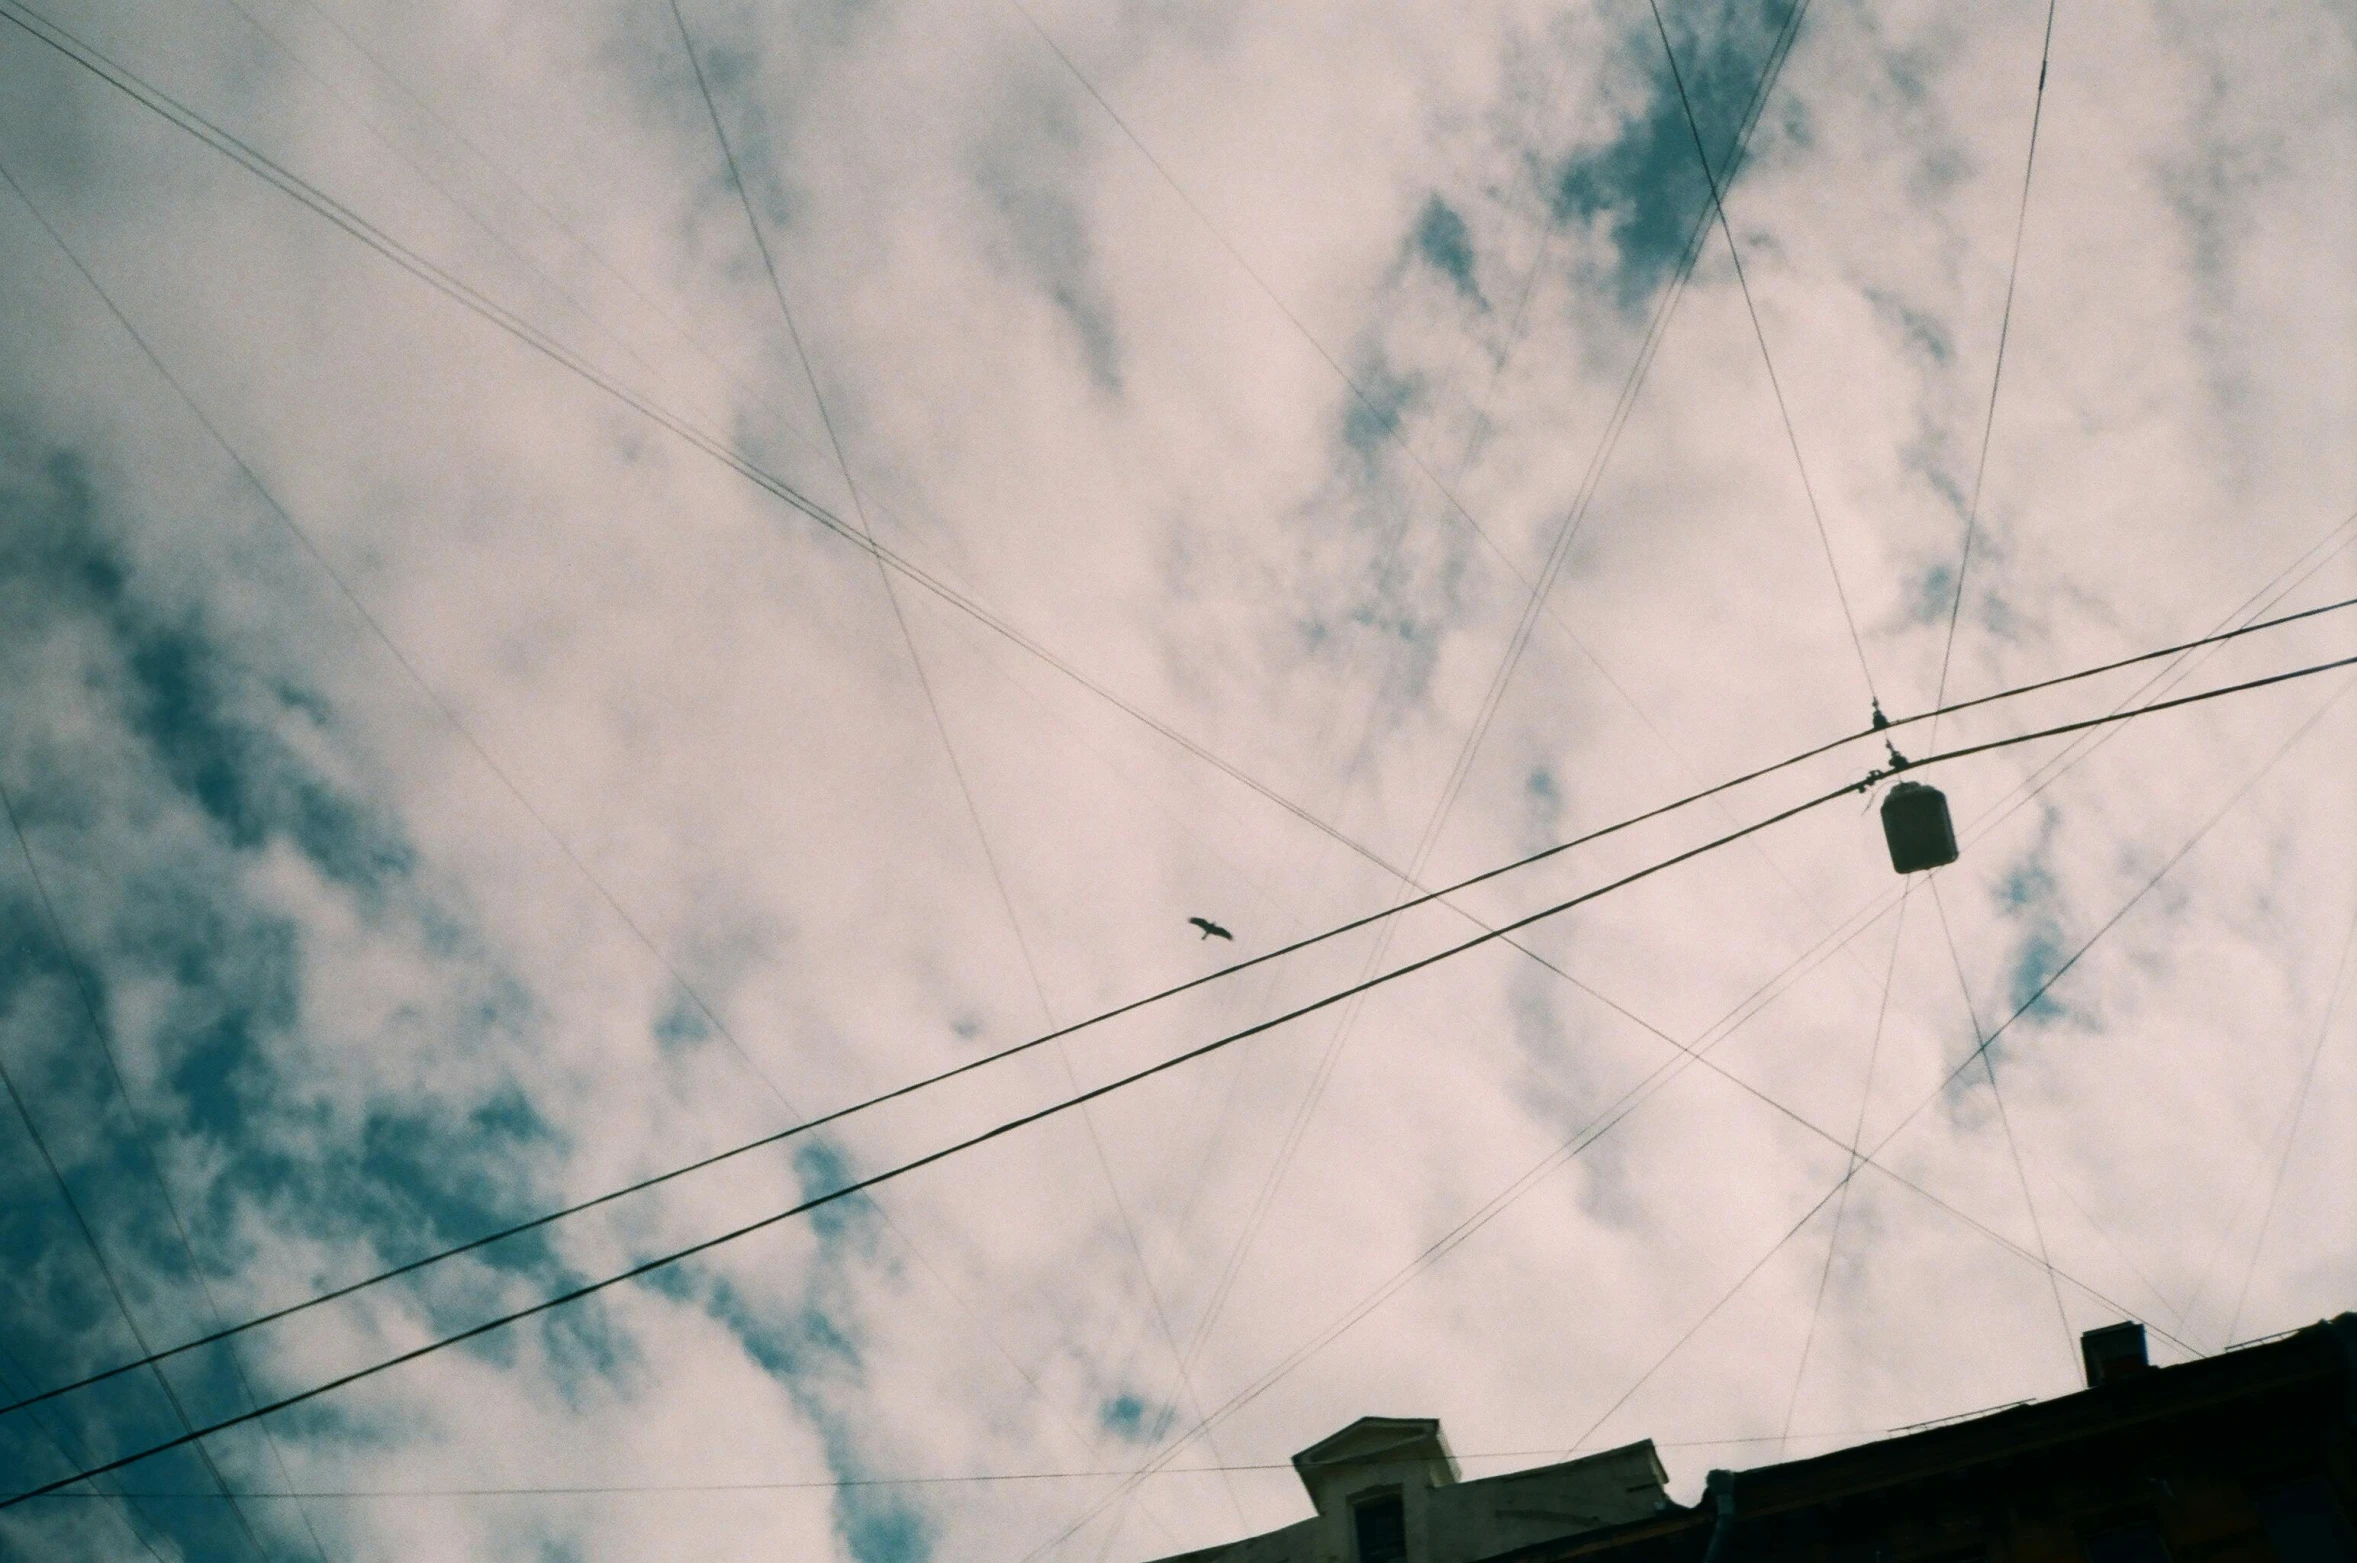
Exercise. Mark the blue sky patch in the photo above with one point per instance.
(1370, 420)
(1645, 186)
(1443, 241)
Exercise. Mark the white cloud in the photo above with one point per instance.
(1061, 390)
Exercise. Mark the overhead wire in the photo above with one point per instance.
(120, 1503)
(1990, 1040)
(1012, 1125)
(1718, 206)
(2180, 1313)
(219, 141)
(862, 1185)
(2182, 665)
(2070, 1340)
(957, 1479)
(466, 208)
(1534, 605)
(2286, 581)
(1591, 480)
(170, 109)
(1980, 469)
(932, 701)
(122, 1307)
(73, 1205)
(2291, 1133)
(1635, 1097)
(548, 214)
(1979, 1055)
(114, 1071)
(2266, 597)
(1959, 588)
(1134, 1005)
(1857, 1134)
(499, 772)
(1392, 434)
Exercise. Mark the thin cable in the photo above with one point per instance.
(122, 1307)
(129, 1502)
(1009, 1126)
(1012, 1125)
(409, 668)
(2117, 716)
(416, 677)
(2292, 1131)
(1493, 698)
(376, 627)
(1599, 460)
(1870, 1157)
(2128, 905)
(1980, 1055)
(2180, 1313)
(352, 223)
(1759, 333)
(1980, 471)
(548, 214)
(949, 751)
(465, 208)
(2070, 1341)
(1841, 1205)
(2078, 750)
(1636, 1097)
(89, 1003)
(959, 1479)
(187, 120)
(1712, 1311)
(1383, 417)
(140, 1136)
(73, 1206)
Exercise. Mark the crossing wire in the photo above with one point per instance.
(2286, 581)
(1628, 1103)
(1535, 605)
(2021, 1173)
(2315, 557)
(114, 1285)
(1841, 1206)
(1718, 207)
(122, 1504)
(357, 226)
(1012, 1125)
(1980, 471)
(2291, 1133)
(410, 669)
(957, 770)
(122, 1307)
(1978, 1056)
(2180, 1313)
(1134, 1005)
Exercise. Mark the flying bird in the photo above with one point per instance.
(1211, 929)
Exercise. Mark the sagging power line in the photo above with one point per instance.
(1133, 1006)
(1012, 1125)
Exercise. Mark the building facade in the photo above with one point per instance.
(2246, 1457)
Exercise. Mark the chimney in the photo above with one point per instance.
(2113, 1352)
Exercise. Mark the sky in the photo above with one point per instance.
(609, 601)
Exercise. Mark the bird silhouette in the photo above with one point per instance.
(1211, 930)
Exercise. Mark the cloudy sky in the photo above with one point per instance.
(1313, 447)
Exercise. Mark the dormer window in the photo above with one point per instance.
(1379, 1526)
